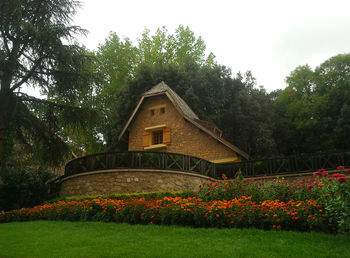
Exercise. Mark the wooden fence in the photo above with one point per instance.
(141, 160)
(180, 162)
(286, 165)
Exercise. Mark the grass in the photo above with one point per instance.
(97, 239)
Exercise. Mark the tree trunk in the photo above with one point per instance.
(7, 110)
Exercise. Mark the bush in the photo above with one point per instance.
(336, 203)
(330, 191)
(23, 187)
(128, 196)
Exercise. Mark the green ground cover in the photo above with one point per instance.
(97, 239)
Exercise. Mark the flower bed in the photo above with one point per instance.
(319, 203)
(242, 212)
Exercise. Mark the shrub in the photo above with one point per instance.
(128, 196)
(336, 202)
(23, 187)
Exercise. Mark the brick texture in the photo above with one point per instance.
(185, 137)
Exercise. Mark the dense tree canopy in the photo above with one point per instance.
(35, 51)
(232, 103)
(88, 96)
(314, 108)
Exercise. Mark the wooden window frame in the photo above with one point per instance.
(162, 133)
(157, 137)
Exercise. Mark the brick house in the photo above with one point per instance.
(163, 122)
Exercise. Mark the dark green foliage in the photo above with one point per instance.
(313, 111)
(232, 103)
(35, 51)
(23, 187)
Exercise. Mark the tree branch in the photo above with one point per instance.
(27, 76)
(25, 97)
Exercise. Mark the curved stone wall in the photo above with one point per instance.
(130, 181)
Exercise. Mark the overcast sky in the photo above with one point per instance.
(270, 38)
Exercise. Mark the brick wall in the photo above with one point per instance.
(129, 181)
(185, 137)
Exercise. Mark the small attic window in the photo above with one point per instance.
(152, 112)
(162, 110)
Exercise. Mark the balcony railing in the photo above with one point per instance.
(286, 165)
(141, 160)
(186, 163)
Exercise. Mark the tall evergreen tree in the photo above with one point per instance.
(36, 51)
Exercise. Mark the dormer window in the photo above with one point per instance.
(152, 112)
(162, 110)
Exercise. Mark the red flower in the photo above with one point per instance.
(340, 167)
(342, 179)
(347, 171)
(338, 175)
(309, 187)
(224, 176)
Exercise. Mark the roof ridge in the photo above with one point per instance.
(162, 87)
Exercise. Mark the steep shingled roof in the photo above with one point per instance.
(185, 111)
(179, 102)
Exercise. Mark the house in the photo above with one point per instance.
(163, 122)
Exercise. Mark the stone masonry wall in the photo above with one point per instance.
(185, 137)
(130, 181)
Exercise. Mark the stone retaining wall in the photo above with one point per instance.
(129, 181)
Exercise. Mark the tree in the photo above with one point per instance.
(296, 112)
(120, 61)
(35, 51)
(314, 108)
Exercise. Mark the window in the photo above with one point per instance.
(152, 112)
(157, 137)
(162, 110)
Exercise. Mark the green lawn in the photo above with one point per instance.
(97, 239)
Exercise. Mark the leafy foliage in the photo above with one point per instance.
(313, 111)
(36, 51)
(214, 95)
(23, 187)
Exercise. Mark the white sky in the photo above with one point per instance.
(270, 38)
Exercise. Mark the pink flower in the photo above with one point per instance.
(317, 173)
(309, 187)
(325, 173)
(320, 185)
